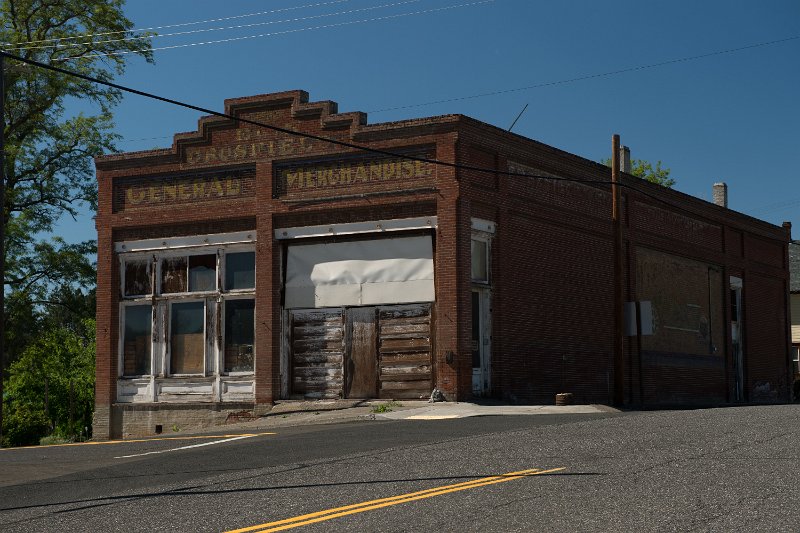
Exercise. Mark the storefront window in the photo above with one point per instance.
(187, 338)
(240, 270)
(239, 335)
(202, 273)
(172, 327)
(137, 340)
(137, 278)
(173, 275)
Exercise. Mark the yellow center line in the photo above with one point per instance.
(125, 441)
(337, 512)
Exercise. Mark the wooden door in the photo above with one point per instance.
(405, 351)
(317, 351)
(361, 371)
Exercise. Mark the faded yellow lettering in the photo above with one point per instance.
(170, 192)
(198, 189)
(224, 153)
(243, 134)
(361, 173)
(285, 147)
(408, 169)
(183, 192)
(346, 175)
(216, 188)
(234, 187)
(323, 176)
(291, 178)
(211, 155)
(153, 196)
(135, 196)
(389, 170)
(374, 171)
(240, 152)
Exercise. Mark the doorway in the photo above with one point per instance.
(736, 338)
(481, 342)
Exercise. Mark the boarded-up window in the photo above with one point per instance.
(187, 338)
(687, 304)
(137, 278)
(239, 335)
(240, 271)
(202, 273)
(173, 275)
(137, 340)
(377, 271)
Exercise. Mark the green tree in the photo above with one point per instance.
(645, 170)
(48, 151)
(51, 386)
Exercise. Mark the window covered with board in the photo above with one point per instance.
(188, 312)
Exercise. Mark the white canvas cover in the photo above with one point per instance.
(370, 272)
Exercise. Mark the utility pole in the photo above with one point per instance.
(616, 223)
(2, 234)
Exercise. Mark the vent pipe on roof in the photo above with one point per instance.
(721, 194)
(625, 159)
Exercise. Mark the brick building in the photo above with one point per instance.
(245, 265)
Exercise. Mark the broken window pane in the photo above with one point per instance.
(240, 270)
(173, 275)
(187, 338)
(137, 340)
(137, 278)
(202, 273)
(239, 335)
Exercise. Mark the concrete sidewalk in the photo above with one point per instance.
(444, 410)
(307, 413)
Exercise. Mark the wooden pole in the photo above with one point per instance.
(616, 221)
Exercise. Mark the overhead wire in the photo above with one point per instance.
(590, 76)
(222, 28)
(337, 142)
(284, 32)
(184, 24)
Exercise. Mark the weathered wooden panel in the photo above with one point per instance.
(317, 344)
(362, 361)
(405, 367)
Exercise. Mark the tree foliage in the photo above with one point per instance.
(51, 386)
(645, 170)
(48, 152)
(47, 281)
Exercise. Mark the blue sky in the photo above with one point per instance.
(730, 117)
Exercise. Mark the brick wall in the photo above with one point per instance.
(551, 255)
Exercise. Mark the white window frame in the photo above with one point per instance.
(160, 350)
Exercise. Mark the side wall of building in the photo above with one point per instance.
(552, 294)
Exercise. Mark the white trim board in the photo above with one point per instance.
(191, 241)
(353, 228)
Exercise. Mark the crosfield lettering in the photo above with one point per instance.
(183, 190)
(352, 173)
(250, 145)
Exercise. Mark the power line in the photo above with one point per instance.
(591, 76)
(183, 24)
(336, 142)
(296, 30)
(202, 30)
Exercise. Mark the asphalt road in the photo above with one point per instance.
(733, 469)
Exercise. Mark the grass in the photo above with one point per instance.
(386, 407)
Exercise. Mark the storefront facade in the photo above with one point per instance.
(244, 265)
